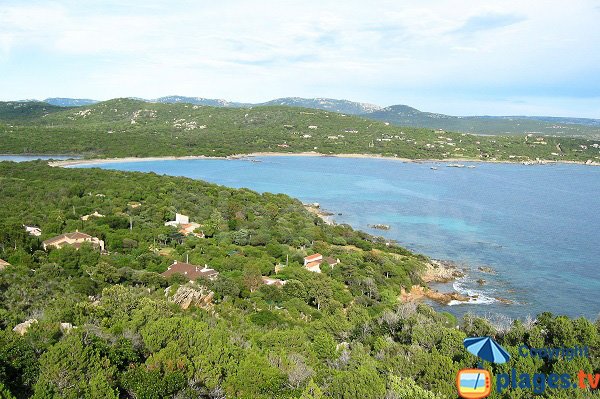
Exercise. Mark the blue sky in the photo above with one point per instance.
(458, 57)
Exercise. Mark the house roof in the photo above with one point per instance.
(272, 281)
(330, 260)
(312, 264)
(310, 258)
(3, 264)
(314, 267)
(73, 236)
(190, 271)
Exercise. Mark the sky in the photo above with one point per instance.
(459, 57)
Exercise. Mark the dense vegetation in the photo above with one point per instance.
(125, 127)
(340, 334)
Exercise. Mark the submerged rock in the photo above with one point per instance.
(486, 269)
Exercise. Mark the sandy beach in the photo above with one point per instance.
(97, 161)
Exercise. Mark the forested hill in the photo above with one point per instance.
(109, 326)
(125, 127)
(403, 115)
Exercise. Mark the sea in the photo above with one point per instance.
(528, 236)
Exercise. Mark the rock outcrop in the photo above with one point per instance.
(418, 292)
(22, 328)
(191, 294)
(438, 271)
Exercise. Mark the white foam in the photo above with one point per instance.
(476, 297)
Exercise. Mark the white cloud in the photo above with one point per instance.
(266, 48)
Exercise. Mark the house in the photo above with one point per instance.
(33, 230)
(73, 239)
(179, 220)
(191, 271)
(313, 258)
(314, 267)
(3, 264)
(273, 281)
(313, 263)
(189, 228)
(93, 215)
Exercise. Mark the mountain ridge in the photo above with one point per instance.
(399, 115)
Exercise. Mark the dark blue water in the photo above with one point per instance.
(536, 226)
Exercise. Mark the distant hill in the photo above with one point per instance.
(553, 119)
(326, 104)
(69, 102)
(126, 127)
(25, 111)
(403, 115)
(198, 101)
(399, 115)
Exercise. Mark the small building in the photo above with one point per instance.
(313, 258)
(313, 263)
(190, 228)
(93, 215)
(179, 220)
(314, 267)
(191, 271)
(273, 281)
(73, 239)
(3, 264)
(33, 230)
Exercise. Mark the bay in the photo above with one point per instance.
(536, 227)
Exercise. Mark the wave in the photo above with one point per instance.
(476, 297)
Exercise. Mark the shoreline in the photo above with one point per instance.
(99, 161)
(437, 271)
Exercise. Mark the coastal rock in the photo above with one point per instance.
(315, 209)
(379, 226)
(438, 271)
(418, 292)
(481, 281)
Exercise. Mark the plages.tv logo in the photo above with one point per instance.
(477, 383)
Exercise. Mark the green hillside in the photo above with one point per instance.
(403, 115)
(26, 111)
(124, 127)
(108, 325)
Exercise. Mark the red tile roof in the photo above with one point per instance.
(312, 264)
(190, 271)
(313, 257)
(73, 236)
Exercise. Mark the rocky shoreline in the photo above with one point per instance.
(315, 209)
(436, 271)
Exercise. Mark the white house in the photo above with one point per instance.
(179, 220)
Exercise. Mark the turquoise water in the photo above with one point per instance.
(536, 226)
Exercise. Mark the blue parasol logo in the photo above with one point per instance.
(487, 349)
